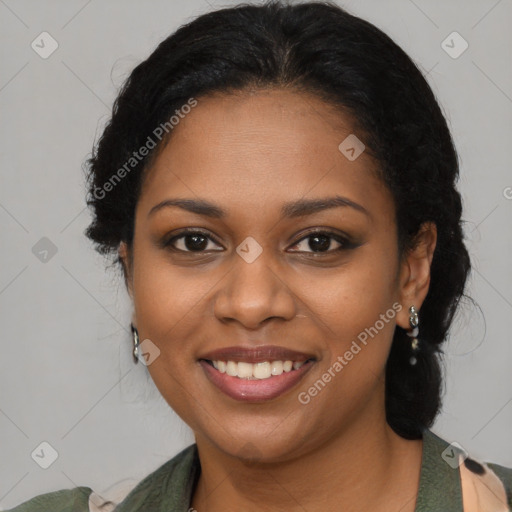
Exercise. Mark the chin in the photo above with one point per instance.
(253, 445)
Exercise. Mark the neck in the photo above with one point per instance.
(366, 467)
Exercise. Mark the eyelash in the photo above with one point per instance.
(344, 242)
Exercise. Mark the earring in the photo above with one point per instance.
(136, 343)
(413, 333)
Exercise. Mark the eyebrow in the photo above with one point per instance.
(299, 208)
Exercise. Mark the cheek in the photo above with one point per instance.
(357, 322)
(352, 297)
(169, 306)
(167, 297)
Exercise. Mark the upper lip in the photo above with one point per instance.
(257, 354)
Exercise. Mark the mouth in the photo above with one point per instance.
(258, 374)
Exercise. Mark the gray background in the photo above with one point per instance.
(66, 375)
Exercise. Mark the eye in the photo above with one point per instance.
(192, 241)
(318, 242)
(322, 242)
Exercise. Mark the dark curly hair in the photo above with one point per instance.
(319, 48)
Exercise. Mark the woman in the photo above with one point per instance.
(277, 184)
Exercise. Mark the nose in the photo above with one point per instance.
(253, 293)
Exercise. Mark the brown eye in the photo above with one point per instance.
(322, 242)
(192, 241)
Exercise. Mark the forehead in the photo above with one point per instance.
(257, 147)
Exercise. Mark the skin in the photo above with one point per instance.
(249, 154)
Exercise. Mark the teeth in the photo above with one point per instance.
(276, 367)
(232, 368)
(244, 370)
(259, 371)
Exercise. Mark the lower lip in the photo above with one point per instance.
(255, 390)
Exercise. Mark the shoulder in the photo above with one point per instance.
(172, 481)
(485, 483)
(66, 500)
(168, 487)
(480, 482)
(505, 475)
(503, 472)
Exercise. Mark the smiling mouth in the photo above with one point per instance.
(256, 371)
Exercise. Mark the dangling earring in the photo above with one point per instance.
(413, 333)
(136, 343)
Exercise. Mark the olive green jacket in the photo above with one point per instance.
(446, 476)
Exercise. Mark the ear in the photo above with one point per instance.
(415, 272)
(125, 256)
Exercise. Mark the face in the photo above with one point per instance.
(279, 240)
